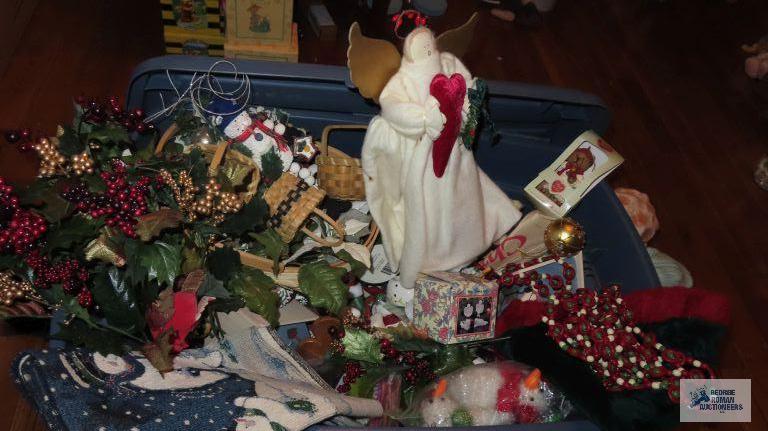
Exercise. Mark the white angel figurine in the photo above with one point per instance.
(437, 210)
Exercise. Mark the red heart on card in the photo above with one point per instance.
(558, 187)
(450, 93)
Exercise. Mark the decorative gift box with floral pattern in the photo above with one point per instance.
(454, 307)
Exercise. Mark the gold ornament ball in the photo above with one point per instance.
(564, 237)
(202, 137)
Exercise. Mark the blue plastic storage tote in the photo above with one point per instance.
(535, 124)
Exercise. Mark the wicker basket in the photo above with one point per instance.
(340, 175)
(291, 201)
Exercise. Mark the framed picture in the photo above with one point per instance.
(475, 314)
(259, 22)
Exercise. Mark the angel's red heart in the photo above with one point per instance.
(450, 93)
(558, 186)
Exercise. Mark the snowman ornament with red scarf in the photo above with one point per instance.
(259, 133)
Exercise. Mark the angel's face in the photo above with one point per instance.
(420, 45)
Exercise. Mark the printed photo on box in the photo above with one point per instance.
(474, 315)
(190, 13)
(253, 21)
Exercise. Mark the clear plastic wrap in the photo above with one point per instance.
(498, 393)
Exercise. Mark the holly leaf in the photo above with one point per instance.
(69, 142)
(117, 299)
(274, 247)
(223, 263)
(364, 385)
(158, 352)
(134, 270)
(450, 358)
(360, 345)
(73, 233)
(161, 260)
(69, 304)
(201, 234)
(271, 166)
(43, 196)
(190, 260)
(55, 208)
(224, 305)
(8, 261)
(407, 338)
(323, 286)
(356, 267)
(242, 149)
(198, 166)
(248, 219)
(257, 290)
(160, 310)
(79, 334)
(147, 152)
(234, 172)
(108, 133)
(150, 225)
(94, 183)
(213, 287)
(193, 281)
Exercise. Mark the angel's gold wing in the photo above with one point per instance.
(371, 62)
(457, 40)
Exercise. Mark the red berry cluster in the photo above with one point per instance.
(19, 228)
(70, 273)
(511, 275)
(419, 371)
(418, 368)
(121, 203)
(352, 371)
(388, 349)
(23, 138)
(111, 110)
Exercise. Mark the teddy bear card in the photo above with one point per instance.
(586, 161)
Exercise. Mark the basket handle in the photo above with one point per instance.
(372, 236)
(218, 156)
(328, 129)
(169, 133)
(334, 224)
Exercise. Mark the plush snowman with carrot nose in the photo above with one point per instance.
(488, 394)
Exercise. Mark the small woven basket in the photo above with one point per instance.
(291, 201)
(220, 157)
(340, 175)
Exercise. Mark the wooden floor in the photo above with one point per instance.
(686, 118)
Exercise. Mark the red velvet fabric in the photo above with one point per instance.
(450, 93)
(649, 306)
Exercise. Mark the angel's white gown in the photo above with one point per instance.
(428, 223)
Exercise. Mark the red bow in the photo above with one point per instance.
(258, 124)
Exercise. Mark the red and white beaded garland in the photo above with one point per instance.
(599, 329)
